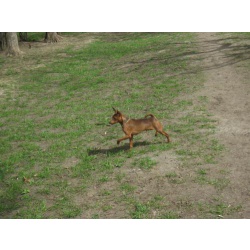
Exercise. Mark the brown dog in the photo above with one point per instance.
(133, 127)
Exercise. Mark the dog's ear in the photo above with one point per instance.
(115, 110)
(118, 112)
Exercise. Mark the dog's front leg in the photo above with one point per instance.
(131, 142)
(123, 138)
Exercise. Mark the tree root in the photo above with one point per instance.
(52, 37)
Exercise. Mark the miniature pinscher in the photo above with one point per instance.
(133, 127)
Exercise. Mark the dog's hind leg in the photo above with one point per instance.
(164, 133)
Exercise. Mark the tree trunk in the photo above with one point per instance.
(3, 40)
(12, 44)
(52, 37)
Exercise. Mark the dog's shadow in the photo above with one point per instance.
(116, 149)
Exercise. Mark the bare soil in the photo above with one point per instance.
(228, 91)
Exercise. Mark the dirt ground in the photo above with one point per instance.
(228, 91)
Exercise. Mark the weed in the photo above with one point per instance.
(201, 172)
(140, 211)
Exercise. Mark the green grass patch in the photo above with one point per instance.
(145, 163)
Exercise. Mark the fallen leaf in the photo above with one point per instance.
(26, 180)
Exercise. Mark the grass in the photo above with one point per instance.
(218, 209)
(140, 212)
(154, 208)
(145, 163)
(54, 130)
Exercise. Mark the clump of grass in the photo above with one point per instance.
(219, 209)
(127, 188)
(145, 163)
(104, 178)
(171, 175)
(95, 216)
(169, 215)
(174, 178)
(140, 212)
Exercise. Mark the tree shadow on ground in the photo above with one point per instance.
(237, 49)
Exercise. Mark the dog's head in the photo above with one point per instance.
(117, 117)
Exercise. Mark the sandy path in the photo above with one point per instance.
(228, 93)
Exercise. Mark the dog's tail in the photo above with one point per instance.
(151, 116)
